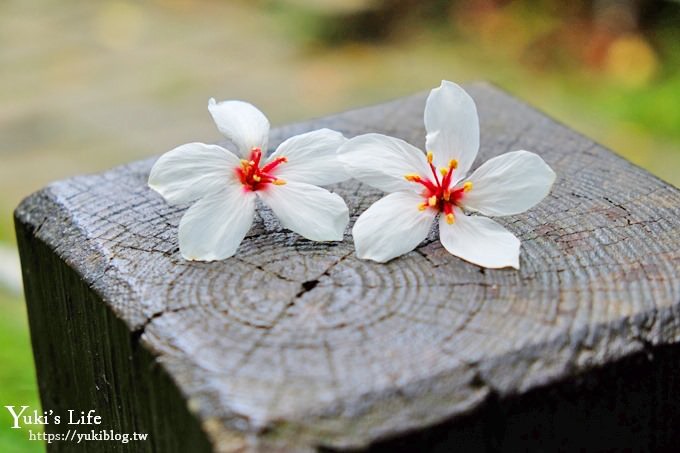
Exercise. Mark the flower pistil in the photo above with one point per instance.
(437, 191)
(253, 177)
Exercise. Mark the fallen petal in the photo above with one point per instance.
(214, 226)
(312, 158)
(192, 171)
(509, 184)
(480, 241)
(392, 226)
(310, 211)
(242, 124)
(383, 162)
(452, 127)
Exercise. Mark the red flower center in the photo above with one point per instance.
(438, 192)
(253, 177)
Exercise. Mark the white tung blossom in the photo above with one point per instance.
(423, 186)
(224, 184)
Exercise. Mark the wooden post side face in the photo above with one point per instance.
(88, 361)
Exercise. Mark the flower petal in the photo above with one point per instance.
(214, 226)
(242, 123)
(191, 171)
(452, 127)
(310, 211)
(312, 158)
(480, 241)
(382, 162)
(391, 227)
(509, 184)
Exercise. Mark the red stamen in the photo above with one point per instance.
(439, 194)
(429, 185)
(255, 156)
(255, 178)
(446, 180)
(434, 172)
(273, 164)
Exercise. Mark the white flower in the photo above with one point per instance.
(226, 183)
(423, 186)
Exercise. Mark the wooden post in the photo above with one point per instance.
(298, 346)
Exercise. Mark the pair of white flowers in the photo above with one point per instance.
(422, 186)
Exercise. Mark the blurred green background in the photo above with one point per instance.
(87, 85)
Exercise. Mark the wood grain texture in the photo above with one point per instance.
(295, 345)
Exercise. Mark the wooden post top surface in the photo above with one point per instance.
(299, 344)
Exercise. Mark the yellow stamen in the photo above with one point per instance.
(443, 171)
(432, 201)
(450, 219)
(422, 206)
(453, 163)
(467, 186)
(430, 156)
(278, 182)
(413, 177)
(256, 178)
(447, 195)
(245, 163)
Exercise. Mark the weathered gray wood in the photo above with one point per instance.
(294, 345)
